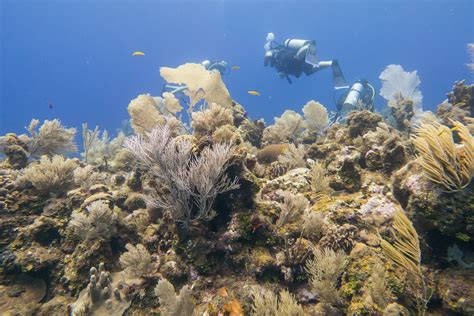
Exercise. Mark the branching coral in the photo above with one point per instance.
(324, 272)
(314, 224)
(292, 207)
(207, 121)
(200, 83)
(405, 253)
(99, 222)
(99, 150)
(377, 289)
(189, 180)
(444, 162)
(339, 237)
(136, 261)
(50, 175)
(293, 157)
(85, 177)
(228, 134)
(319, 178)
(265, 302)
(171, 303)
(52, 138)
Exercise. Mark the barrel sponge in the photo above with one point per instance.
(144, 114)
(201, 83)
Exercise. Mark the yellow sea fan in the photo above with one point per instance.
(201, 83)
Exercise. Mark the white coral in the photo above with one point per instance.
(398, 83)
(316, 116)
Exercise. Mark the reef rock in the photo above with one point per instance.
(456, 289)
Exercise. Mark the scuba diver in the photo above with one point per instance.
(297, 56)
(220, 66)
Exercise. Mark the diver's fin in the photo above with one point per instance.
(337, 77)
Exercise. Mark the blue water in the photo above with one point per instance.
(76, 55)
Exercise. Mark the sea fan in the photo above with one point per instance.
(398, 83)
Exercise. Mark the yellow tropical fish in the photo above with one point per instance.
(253, 92)
(235, 67)
(138, 54)
(453, 129)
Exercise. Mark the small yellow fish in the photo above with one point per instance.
(235, 67)
(253, 92)
(138, 54)
(452, 129)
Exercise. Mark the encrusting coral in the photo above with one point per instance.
(206, 211)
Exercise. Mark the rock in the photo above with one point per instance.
(325, 309)
(134, 201)
(456, 290)
(295, 181)
(134, 182)
(56, 306)
(359, 250)
(347, 171)
(270, 153)
(96, 188)
(22, 295)
(97, 197)
(378, 210)
(430, 208)
(15, 150)
(360, 122)
(305, 296)
(394, 309)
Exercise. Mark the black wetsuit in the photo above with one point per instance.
(285, 63)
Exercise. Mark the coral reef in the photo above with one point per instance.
(206, 211)
(52, 138)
